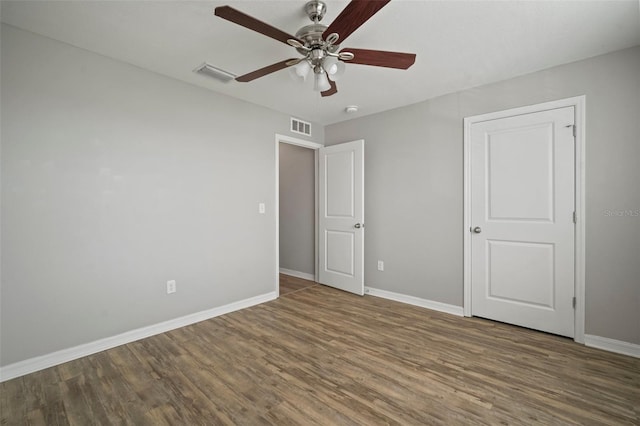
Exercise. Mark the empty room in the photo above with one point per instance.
(335, 212)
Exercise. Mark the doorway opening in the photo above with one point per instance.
(296, 209)
(339, 230)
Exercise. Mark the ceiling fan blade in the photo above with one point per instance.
(332, 91)
(352, 17)
(380, 58)
(266, 70)
(240, 18)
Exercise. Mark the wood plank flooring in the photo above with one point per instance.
(322, 356)
(289, 284)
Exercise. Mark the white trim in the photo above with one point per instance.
(32, 365)
(298, 274)
(316, 217)
(578, 103)
(305, 144)
(295, 141)
(415, 301)
(581, 230)
(466, 214)
(612, 345)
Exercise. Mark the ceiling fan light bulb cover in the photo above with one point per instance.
(302, 69)
(295, 77)
(321, 82)
(339, 71)
(330, 64)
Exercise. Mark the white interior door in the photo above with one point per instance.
(522, 223)
(341, 216)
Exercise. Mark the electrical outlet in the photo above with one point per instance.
(380, 265)
(171, 286)
(261, 208)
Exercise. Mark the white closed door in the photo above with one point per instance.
(341, 216)
(522, 220)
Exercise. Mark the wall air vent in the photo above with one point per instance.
(301, 127)
(215, 72)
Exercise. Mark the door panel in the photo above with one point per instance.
(522, 203)
(340, 253)
(341, 216)
(521, 272)
(520, 175)
(339, 184)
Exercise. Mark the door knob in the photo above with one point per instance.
(477, 230)
(357, 225)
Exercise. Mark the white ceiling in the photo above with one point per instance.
(459, 44)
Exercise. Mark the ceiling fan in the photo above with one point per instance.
(319, 46)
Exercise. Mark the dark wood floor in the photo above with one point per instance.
(289, 284)
(322, 356)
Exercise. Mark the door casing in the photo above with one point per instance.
(578, 103)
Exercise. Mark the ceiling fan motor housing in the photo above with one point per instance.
(311, 36)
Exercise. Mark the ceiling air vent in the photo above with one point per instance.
(301, 127)
(215, 72)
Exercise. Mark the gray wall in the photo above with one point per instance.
(297, 208)
(115, 180)
(414, 195)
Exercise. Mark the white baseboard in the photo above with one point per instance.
(612, 345)
(32, 365)
(298, 274)
(416, 301)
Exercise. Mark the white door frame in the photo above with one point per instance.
(578, 103)
(305, 144)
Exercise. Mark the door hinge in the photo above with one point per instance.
(575, 217)
(573, 303)
(573, 129)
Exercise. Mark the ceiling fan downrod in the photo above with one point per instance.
(315, 10)
(311, 35)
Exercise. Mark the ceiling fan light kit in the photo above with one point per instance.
(317, 43)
